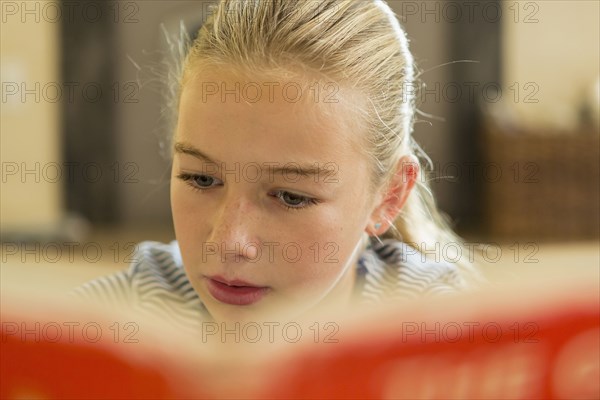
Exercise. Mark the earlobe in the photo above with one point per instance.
(375, 229)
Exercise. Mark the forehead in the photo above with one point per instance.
(268, 119)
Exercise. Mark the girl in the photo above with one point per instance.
(295, 180)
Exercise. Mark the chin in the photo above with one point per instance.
(264, 313)
(232, 313)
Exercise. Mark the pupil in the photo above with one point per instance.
(204, 180)
(295, 202)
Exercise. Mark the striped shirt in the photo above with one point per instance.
(156, 282)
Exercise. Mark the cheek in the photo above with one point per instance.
(189, 217)
(180, 207)
(327, 244)
(324, 254)
(311, 274)
(180, 199)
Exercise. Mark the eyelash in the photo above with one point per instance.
(308, 201)
(189, 179)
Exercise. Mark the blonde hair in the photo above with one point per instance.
(359, 43)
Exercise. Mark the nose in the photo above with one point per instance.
(233, 229)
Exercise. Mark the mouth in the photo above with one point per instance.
(234, 292)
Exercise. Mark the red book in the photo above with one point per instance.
(534, 340)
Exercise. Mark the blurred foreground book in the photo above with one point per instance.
(538, 338)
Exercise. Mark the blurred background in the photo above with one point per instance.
(510, 92)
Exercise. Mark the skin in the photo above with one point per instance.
(248, 208)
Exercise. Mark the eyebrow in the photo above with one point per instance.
(185, 148)
(295, 168)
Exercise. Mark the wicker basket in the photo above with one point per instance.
(548, 188)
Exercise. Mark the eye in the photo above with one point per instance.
(293, 201)
(198, 181)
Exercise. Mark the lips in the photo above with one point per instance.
(234, 292)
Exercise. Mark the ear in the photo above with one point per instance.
(394, 195)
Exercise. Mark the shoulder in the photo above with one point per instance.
(155, 284)
(394, 269)
(155, 271)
